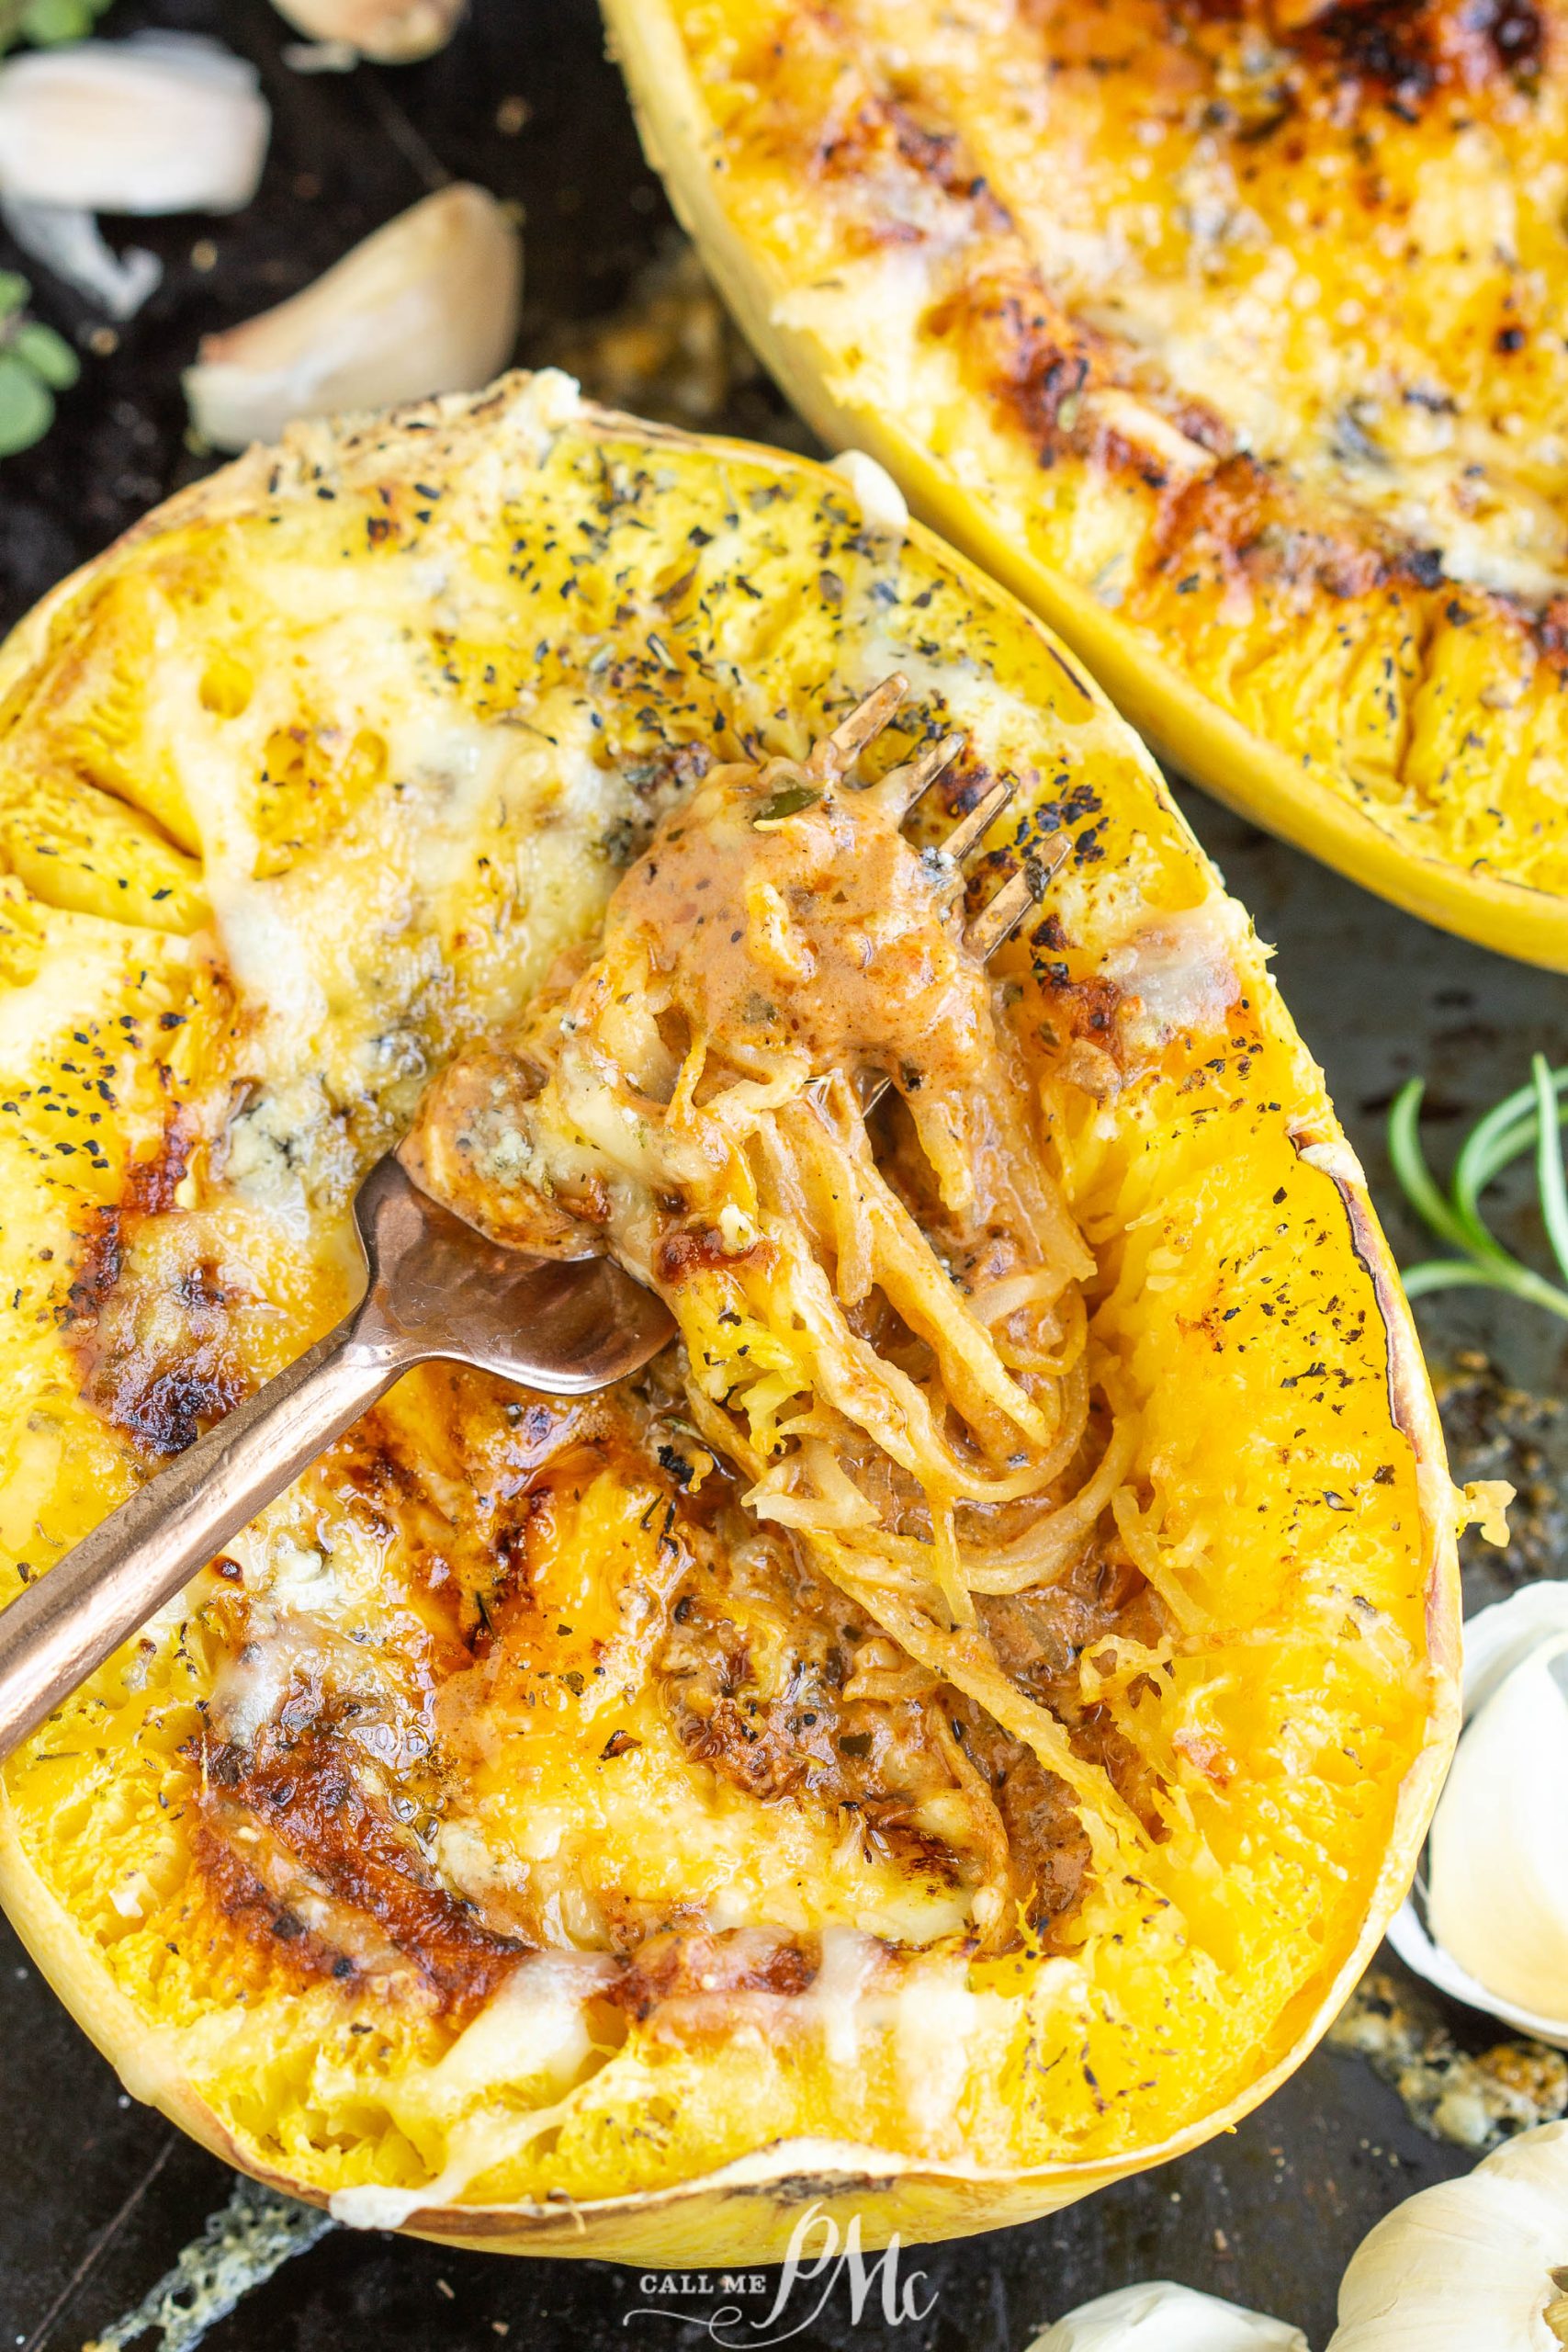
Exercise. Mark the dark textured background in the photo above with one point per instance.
(99, 2195)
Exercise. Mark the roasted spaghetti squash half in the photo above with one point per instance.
(1234, 339)
(948, 1734)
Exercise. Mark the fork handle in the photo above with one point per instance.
(57, 1631)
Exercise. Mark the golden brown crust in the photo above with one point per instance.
(478, 1510)
(300, 1790)
(1246, 415)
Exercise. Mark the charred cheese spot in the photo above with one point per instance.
(1242, 328)
(338, 1853)
(512, 1809)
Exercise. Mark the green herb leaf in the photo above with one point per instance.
(1549, 1163)
(46, 354)
(47, 21)
(14, 292)
(788, 803)
(1410, 1167)
(1528, 1120)
(51, 21)
(26, 405)
(1508, 1130)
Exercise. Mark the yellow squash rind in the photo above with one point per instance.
(1270, 781)
(747, 2206)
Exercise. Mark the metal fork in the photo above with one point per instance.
(434, 1288)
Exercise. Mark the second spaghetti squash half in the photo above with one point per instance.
(1234, 339)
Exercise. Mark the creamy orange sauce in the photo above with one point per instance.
(693, 1095)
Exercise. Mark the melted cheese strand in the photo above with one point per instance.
(692, 1098)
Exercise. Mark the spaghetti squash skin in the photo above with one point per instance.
(1232, 338)
(412, 1862)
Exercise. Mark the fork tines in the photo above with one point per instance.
(1000, 916)
(902, 787)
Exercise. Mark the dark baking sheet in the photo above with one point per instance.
(99, 2195)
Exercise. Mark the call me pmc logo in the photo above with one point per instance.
(810, 2276)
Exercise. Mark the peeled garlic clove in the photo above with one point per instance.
(1497, 1862)
(1162, 2317)
(427, 304)
(883, 510)
(1494, 1932)
(1468, 2265)
(164, 122)
(391, 32)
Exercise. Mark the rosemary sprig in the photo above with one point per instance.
(1528, 1120)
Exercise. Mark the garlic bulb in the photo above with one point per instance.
(163, 122)
(427, 304)
(1161, 2317)
(391, 32)
(1474, 2265)
(1496, 1931)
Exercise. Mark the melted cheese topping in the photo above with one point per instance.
(511, 1810)
(1234, 211)
(898, 1362)
(1253, 335)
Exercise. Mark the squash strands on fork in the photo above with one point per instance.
(946, 1735)
(1232, 338)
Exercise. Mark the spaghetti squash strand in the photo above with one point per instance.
(889, 1338)
(965, 1659)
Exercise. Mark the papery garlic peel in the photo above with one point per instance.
(427, 304)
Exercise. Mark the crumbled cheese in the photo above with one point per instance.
(1182, 970)
(735, 1229)
(547, 402)
(239, 2248)
(301, 1579)
(1483, 1504)
(879, 496)
(1471, 2102)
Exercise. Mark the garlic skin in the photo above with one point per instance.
(163, 122)
(1495, 1929)
(427, 304)
(69, 242)
(1467, 2266)
(390, 32)
(1162, 2317)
